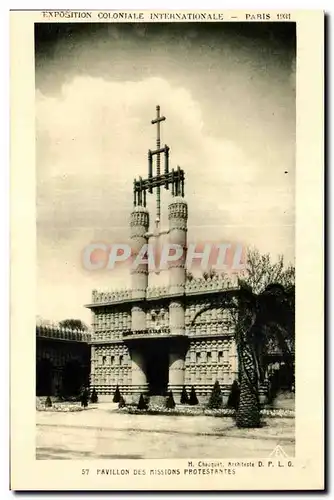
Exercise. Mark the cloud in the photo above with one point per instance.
(92, 140)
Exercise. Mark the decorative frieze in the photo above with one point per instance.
(189, 286)
(216, 283)
(155, 291)
(179, 224)
(106, 297)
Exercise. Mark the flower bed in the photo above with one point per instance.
(198, 411)
(67, 406)
(61, 408)
(278, 413)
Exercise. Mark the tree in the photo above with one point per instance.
(48, 402)
(84, 397)
(121, 403)
(184, 396)
(262, 313)
(94, 397)
(261, 318)
(234, 396)
(142, 405)
(261, 272)
(73, 324)
(216, 398)
(193, 398)
(170, 403)
(117, 395)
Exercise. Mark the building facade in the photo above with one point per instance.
(62, 360)
(154, 339)
(163, 342)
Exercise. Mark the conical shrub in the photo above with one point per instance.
(234, 396)
(48, 402)
(94, 397)
(84, 397)
(193, 398)
(117, 395)
(121, 403)
(184, 396)
(170, 403)
(142, 405)
(216, 398)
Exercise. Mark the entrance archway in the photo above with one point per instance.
(157, 369)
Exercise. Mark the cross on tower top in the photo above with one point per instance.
(173, 178)
(157, 121)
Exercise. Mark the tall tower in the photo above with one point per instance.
(177, 214)
(139, 224)
(167, 179)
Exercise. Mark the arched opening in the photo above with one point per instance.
(157, 366)
(73, 378)
(44, 370)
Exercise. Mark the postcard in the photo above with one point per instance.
(167, 305)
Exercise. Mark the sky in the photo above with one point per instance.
(228, 93)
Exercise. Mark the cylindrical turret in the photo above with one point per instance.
(139, 223)
(178, 216)
(139, 381)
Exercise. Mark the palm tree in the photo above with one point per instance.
(264, 318)
(260, 319)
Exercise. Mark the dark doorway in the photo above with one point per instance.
(73, 378)
(157, 367)
(44, 370)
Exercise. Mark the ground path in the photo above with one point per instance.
(103, 433)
